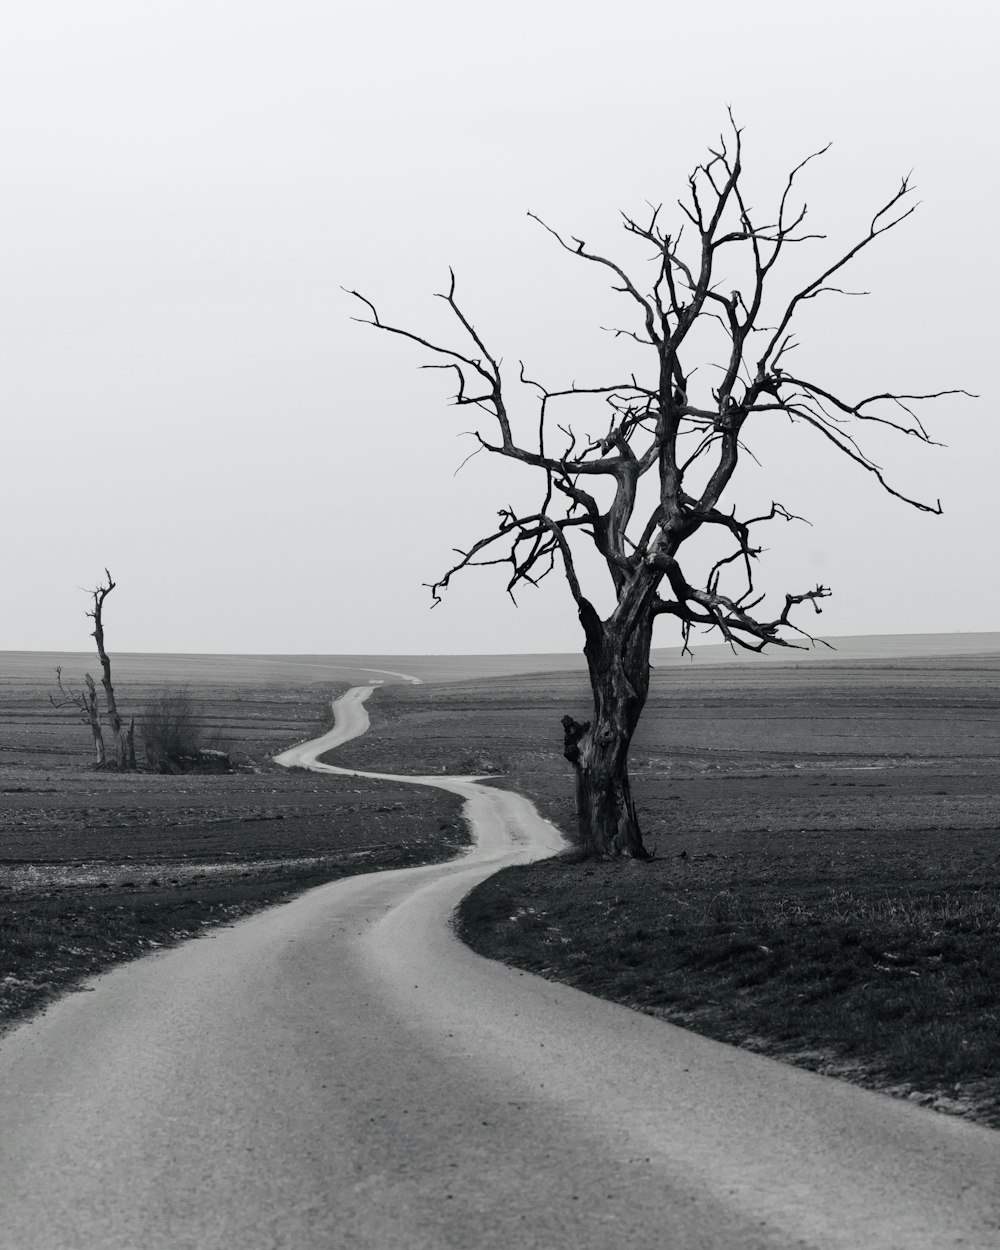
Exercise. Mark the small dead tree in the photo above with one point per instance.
(86, 701)
(124, 738)
(90, 714)
(669, 445)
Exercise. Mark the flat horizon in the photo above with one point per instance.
(962, 640)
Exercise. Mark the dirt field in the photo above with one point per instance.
(99, 866)
(753, 749)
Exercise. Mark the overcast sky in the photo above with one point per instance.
(188, 184)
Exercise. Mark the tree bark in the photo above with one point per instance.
(598, 749)
(93, 716)
(90, 713)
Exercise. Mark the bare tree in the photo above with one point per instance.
(683, 437)
(124, 738)
(124, 758)
(90, 714)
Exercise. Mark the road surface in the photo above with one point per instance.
(339, 1071)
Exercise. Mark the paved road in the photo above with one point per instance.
(340, 1072)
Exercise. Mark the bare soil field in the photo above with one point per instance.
(97, 866)
(828, 857)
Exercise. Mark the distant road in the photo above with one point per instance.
(347, 668)
(341, 1072)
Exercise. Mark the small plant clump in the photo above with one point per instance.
(170, 729)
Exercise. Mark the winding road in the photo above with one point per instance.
(340, 1071)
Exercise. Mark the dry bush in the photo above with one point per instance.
(170, 730)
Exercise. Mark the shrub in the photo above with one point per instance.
(170, 730)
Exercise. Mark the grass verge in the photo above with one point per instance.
(828, 870)
(891, 984)
(52, 939)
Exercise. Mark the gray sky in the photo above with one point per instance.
(189, 183)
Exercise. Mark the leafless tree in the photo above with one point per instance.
(683, 437)
(90, 714)
(86, 701)
(124, 738)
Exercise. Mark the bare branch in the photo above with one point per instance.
(717, 271)
(579, 248)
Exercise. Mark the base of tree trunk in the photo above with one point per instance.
(606, 817)
(630, 846)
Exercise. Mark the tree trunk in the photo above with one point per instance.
(124, 739)
(94, 720)
(121, 750)
(598, 750)
(109, 690)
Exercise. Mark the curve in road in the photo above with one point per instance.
(347, 668)
(341, 1072)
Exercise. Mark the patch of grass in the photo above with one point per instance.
(52, 939)
(894, 984)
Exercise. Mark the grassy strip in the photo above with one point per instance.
(51, 940)
(892, 985)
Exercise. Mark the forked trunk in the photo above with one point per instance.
(598, 750)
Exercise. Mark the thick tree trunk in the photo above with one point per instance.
(598, 750)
